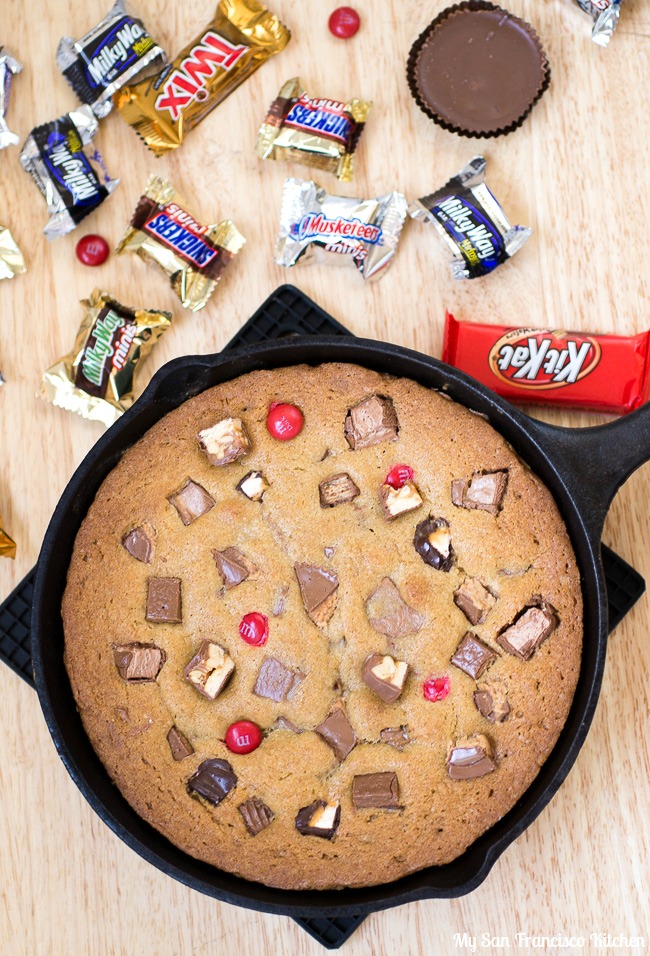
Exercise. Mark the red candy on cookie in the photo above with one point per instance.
(436, 688)
(254, 628)
(92, 250)
(398, 476)
(243, 737)
(284, 421)
(344, 22)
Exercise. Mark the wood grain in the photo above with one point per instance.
(577, 172)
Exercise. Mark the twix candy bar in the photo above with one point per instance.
(605, 373)
(164, 109)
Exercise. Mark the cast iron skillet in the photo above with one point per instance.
(582, 467)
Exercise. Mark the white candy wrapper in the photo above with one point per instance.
(605, 14)
(9, 66)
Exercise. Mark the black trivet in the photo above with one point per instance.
(286, 312)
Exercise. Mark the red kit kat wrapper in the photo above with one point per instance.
(604, 373)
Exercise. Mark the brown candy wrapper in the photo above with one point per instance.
(194, 256)
(163, 109)
(7, 545)
(316, 132)
(97, 379)
(11, 258)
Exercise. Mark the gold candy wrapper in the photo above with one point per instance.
(98, 378)
(316, 132)
(7, 544)
(11, 258)
(163, 109)
(164, 233)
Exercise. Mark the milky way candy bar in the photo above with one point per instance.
(606, 373)
(97, 379)
(113, 53)
(53, 156)
(605, 14)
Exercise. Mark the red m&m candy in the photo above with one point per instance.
(398, 476)
(344, 22)
(254, 628)
(92, 250)
(436, 688)
(243, 736)
(284, 421)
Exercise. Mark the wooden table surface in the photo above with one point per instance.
(577, 172)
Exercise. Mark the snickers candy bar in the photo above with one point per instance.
(139, 663)
(225, 442)
(336, 730)
(473, 656)
(191, 501)
(213, 781)
(337, 490)
(233, 566)
(384, 676)
(253, 485)
(531, 627)
(474, 600)
(164, 601)
(484, 491)
(432, 541)
(275, 681)
(370, 422)
(491, 701)
(209, 670)
(256, 815)
(470, 757)
(179, 744)
(318, 588)
(320, 818)
(398, 501)
(379, 791)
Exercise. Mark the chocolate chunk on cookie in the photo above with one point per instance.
(257, 816)
(432, 541)
(396, 737)
(372, 421)
(318, 591)
(319, 819)
(191, 501)
(474, 600)
(379, 791)
(138, 663)
(140, 543)
(491, 702)
(164, 604)
(384, 676)
(470, 757)
(275, 681)
(389, 614)
(473, 656)
(179, 744)
(485, 491)
(233, 566)
(213, 781)
(336, 730)
(337, 490)
(532, 626)
(399, 501)
(225, 441)
(253, 485)
(209, 670)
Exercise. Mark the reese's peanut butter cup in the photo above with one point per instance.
(97, 379)
(315, 131)
(165, 108)
(11, 258)
(477, 70)
(164, 233)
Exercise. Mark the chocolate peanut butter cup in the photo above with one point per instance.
(477, 70)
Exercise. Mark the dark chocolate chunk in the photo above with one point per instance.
(225, 442)
(276, 681)
(474, 600)
(179, 744)
(530, 628)
(213, 781)
(191, 501)
(164, 601)
(233, 566)
(473, 656)
(379, 791)
(470, 757)
(209, 670)
(396, 737)
(253, 485)
(319, 819)
(336, 730)
(399, 501)
(485, 491)
(138, 663)
(432, 541)
(384, 676)
(257, 816)
(139, 543)
(372, 421)
(337, 490)
(317, 589)
(389, 613)
(491, 702)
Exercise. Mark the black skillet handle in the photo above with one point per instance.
(594, 462)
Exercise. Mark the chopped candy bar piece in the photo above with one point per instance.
(389, 613)
(138, 663)
(179, 744)
(233, 566)
(378, 791)
(225, 442)
(319, 819)
(384, 676)
(164, 601)
(484, 491)
(470, 757)
(371, 421)
(491, 702)
(318, 591)
(399, 501)
(396, 737)
(213, 781)
(336, 730)
(337, 490)
(474, 600)
(191, 501)
(432, 541)
(276, 681)
(253, 485)
(257, 816)
(209, 670)
(139, 543)
(530, 628)
(473, 656)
